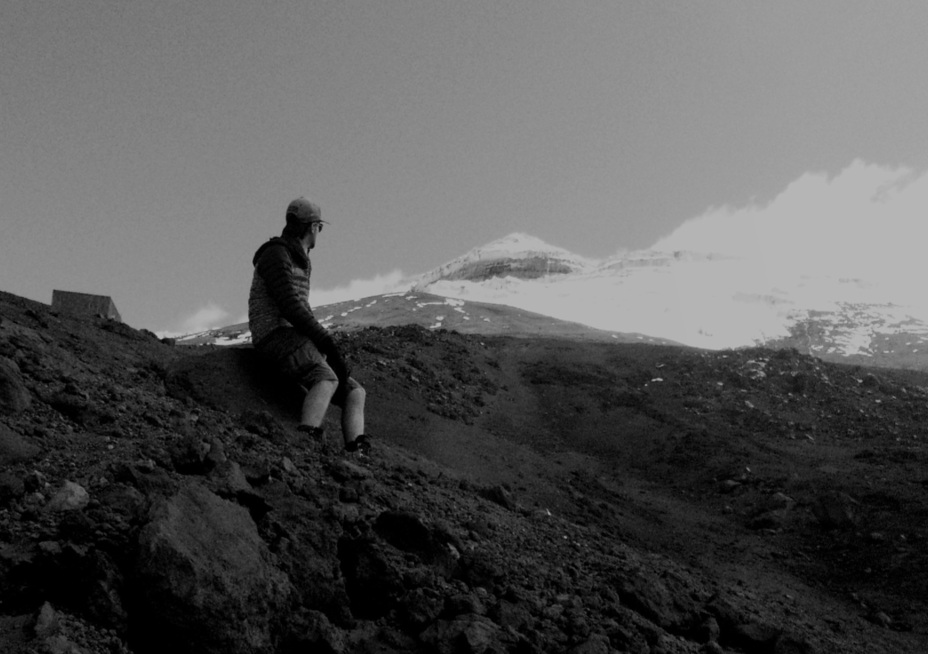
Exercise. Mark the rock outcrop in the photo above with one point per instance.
(206, 581)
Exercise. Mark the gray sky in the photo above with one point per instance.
(148, 148)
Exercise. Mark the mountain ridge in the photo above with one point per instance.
(431, 312)
(705, 300)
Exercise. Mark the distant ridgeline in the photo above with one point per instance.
(85, 304)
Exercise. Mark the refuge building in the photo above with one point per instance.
(85, 304)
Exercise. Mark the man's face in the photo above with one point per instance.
(311, 233)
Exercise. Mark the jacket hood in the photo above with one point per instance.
(297, 253)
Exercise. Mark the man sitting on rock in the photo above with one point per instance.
(284, 329)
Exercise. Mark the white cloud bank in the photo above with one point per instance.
(868, 222)
(392, 282)
(854, 239)
(213, 316)
(207, 317)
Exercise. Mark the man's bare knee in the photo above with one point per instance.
(357, 394)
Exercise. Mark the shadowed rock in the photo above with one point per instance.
(207, 582)
(14, 448)
(14, 396)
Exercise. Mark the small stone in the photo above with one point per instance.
(835, 509)
(708, 631)
(50, 548)
(345, 470)
(769, 520)
(61, 645)
(35, 481)
(791, 644)
(47, 624)
(229, 479)
(464, 603)
(871, 381)
(499, 495)
(146, 465)
(779, 502)
(69, 497)
(288, 466)
(754, 636)
(595, 644)
(881, 619)
(216, 454)
(346, 514)
(472, 634)
(729, 486)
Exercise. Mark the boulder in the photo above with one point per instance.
(207, 584)
(69, 497)
(11, 487)
(14, 448)
(465, 634)
(666, 600)
(373, 576)
(14, 396)
(835, 510)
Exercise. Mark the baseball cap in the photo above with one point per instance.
(303, 212)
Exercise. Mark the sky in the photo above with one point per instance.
(148, 148)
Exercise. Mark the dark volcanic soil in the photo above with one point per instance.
(524, 495)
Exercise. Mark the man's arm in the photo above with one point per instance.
(276, 269)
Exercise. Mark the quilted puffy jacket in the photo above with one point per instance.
(279, 294)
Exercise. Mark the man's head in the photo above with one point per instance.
(304, 221)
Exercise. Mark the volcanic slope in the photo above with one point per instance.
(432, 312)
(524, 495)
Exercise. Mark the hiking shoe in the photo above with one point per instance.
(361, 445)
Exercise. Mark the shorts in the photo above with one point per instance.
(297, 357)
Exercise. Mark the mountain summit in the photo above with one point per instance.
(701, 299)
(517, 255)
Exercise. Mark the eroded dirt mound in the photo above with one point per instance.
(524, 496)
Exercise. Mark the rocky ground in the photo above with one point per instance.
(524, 495)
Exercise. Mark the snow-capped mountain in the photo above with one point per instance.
(518, 256)
(699, 299)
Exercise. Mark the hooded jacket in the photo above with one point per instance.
(279, 294)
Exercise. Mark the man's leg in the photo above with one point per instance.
(317, 401)
(353, 415)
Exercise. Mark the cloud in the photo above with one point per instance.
(213, 316)
(392, 282)
(866, 222)
(207, 317)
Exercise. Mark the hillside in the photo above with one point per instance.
(432, 312)
(524, 495)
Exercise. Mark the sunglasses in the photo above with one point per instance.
(316, 226)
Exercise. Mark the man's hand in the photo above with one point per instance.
(337, 363)
(335, 360)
